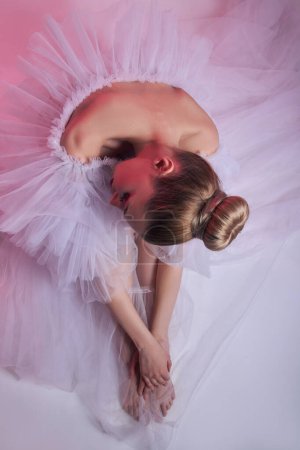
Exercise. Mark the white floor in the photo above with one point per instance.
(249, 401)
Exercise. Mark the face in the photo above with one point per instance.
(132, 187)
(133, 182)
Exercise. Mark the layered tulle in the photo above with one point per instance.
(63, 247)
(60, 215)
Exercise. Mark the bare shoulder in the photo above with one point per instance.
(203, 135)
(205, 141)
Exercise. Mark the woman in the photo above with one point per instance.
(66, 245)
(145, 189)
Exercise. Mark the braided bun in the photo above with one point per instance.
(217, 227)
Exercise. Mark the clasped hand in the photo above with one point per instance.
(155, 365)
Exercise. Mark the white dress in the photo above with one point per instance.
(62, 246)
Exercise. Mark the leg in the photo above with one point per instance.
(135, 405)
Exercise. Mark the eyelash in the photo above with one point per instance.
(124, 197)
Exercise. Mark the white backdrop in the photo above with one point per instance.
(249, 400)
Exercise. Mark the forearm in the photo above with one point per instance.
(153, 360)
(168, 279)
(124, 311)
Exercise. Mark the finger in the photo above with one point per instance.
(141, 387)
(165, 377)
(154, 382)
(169, 364)
(163, 410)
(146, 393)
(162, 381)
(148, 383)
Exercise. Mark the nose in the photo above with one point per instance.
(115, 200)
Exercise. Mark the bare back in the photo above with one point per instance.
(138, 112)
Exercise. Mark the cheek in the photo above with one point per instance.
(121, 173)
(127, 172)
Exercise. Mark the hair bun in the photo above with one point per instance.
(209, 208)
(221, 219)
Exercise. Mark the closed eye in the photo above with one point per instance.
(124, 197)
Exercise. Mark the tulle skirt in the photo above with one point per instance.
(63, 247)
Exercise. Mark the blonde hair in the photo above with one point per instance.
(190, 204)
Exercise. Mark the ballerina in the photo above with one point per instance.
(166, 118)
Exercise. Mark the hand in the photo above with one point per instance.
(154, 366)
(163, 340)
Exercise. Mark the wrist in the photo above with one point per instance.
(144, 341)
(160, 334)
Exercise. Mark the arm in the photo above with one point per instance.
(127, 316)
(165, 281)
(153, 358)
(168, 279)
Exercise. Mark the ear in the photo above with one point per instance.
(164, 165)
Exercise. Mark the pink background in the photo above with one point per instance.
(19, 18)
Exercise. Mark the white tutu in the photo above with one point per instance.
(63, 246)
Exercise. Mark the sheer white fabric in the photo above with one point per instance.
(63, 247)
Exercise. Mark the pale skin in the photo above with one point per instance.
(138, 112)
(165, 279)
(142, 113)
